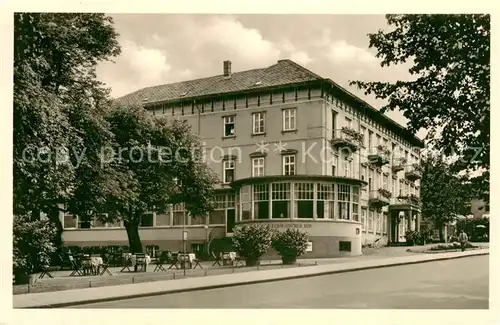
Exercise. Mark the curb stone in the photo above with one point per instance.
(249, 282)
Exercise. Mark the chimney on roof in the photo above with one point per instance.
(227, 68)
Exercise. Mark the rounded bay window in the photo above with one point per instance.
(325, 207)
(292, 197)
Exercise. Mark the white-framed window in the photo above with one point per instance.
(261, 201)
(178, 214)
(377, 222)
(259, 122)
(363, 219)
(363, 135)
(289, 165)
(228, 174)
(229, 126)
(335, 164)
(69, 221)
(347, 162)
(281, 204)
(147, 220)
(348, 122)
(326, 201)
(162, 218)
(258, 166)
(218, 216)
(370, 221)
(289, 119)
(363, 178)
(304, 200)
(355, 203)
(84, 222)
(344, 201)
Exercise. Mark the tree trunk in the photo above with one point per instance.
(134, 239)
(441, 234)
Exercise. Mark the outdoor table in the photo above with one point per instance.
(131, 260)
(183, 259)
(228, 258)
(92, 263)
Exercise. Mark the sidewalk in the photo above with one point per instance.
(90, 295)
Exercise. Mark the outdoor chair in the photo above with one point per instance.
(174, 261)
(75, 266)
(217, 257)
(196, 262)
(140, 262)
(87, 267)
(103, 268)
(126, 263)
(238, 260)
(64, 262)
(45, 272)
(165, 257)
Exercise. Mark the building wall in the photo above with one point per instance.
(314, 131)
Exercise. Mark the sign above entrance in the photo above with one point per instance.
(290, 225)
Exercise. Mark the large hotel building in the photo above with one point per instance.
(292, 149)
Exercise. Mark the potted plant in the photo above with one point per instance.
(290, 244)
(383, 149)
(251, 242)
(385, 193)
(352, 133)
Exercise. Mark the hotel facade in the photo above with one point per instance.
(292, 150)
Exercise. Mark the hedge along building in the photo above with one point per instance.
(292, 149)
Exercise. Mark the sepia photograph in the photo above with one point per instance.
(251, 161)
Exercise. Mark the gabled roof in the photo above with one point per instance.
(282, 73)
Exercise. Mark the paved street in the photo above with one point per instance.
(459, 283)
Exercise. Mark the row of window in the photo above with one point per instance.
(173, 217)
(375, 180)
(299, 200)
(289, 118)
(258, 167)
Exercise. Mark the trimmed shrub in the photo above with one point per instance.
(252, 241)
(290, 244)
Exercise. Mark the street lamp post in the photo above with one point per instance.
(184, 238)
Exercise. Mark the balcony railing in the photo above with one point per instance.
(406, 200)
(398, 164)
(379, 198)
(379, 156)
(346, 138)
(412, 173)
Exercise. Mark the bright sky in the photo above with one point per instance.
(165, 48)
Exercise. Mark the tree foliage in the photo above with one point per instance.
(153, 162)
(33, 246)
(58, 104)
(450, 93)
(444, 195)
(65, 120)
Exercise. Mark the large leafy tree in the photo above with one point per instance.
(450, 92)
(154, 162)
(58, 105)
(444, 195)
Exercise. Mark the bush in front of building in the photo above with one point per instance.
(290, 244)
(33, 246)
(251, 242)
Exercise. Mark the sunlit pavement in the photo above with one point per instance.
(449, 284)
